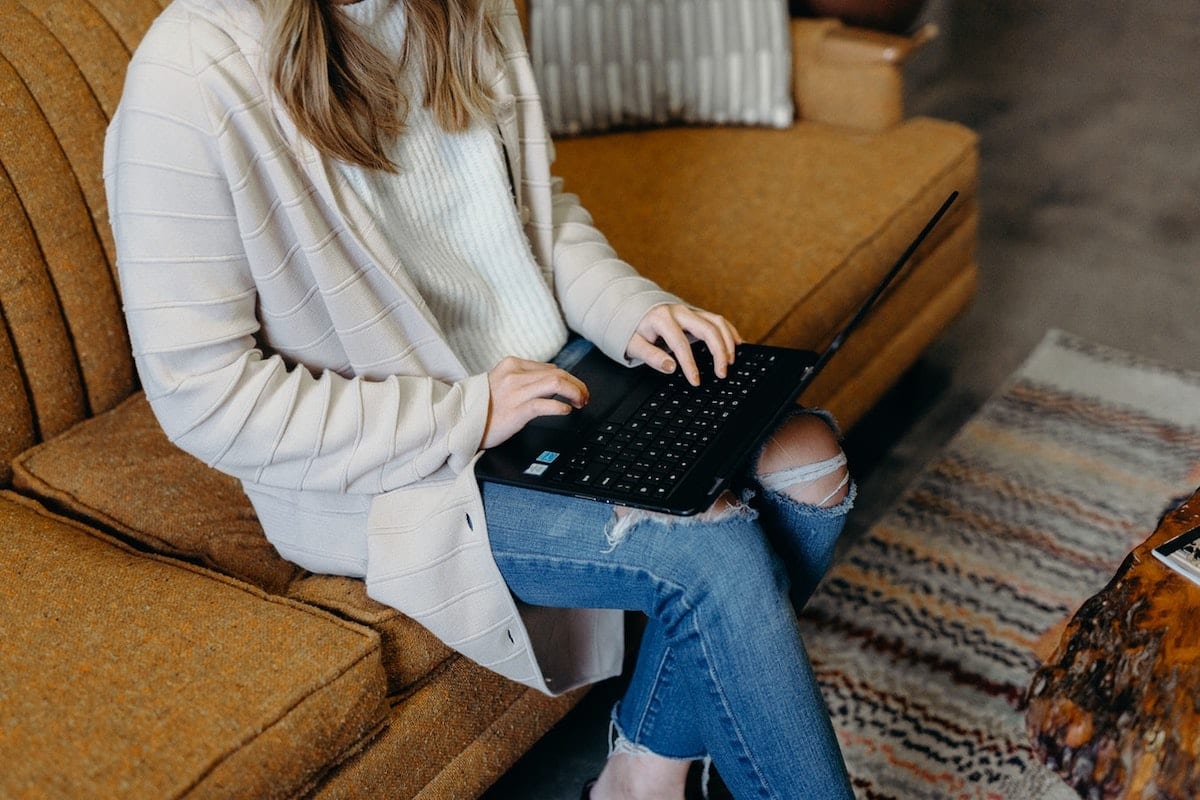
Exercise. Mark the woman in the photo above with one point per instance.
(346, 269)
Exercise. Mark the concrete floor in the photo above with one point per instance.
(1089, 118)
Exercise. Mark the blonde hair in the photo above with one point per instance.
(345, 96)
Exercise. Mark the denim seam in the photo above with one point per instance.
(714, 682)
(640, 733)
(718, 690)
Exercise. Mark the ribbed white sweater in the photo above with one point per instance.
(450, 215)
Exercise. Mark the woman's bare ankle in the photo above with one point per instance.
(641, 776)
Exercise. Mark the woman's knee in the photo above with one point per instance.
(804, 460)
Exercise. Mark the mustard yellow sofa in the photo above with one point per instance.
(153, 644)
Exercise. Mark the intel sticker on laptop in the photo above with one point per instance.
(542, 462)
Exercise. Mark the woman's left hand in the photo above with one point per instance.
(671, 324)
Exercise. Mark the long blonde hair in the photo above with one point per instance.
(345, 96)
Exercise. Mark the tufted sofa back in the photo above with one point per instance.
(64, 352)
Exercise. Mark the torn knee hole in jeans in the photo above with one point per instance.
(623, 520)
(784, 479)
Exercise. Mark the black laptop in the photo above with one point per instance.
(654, 441)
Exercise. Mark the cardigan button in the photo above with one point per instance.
(526, 214)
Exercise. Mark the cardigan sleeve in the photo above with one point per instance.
(190, 303)
(602, 297)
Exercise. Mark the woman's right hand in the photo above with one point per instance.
(522, 390)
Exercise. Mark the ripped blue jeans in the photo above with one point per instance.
(721, 671)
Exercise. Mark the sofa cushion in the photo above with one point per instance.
(117, 471)
(452, 738)
(127, 674)
(778, 230)
(410, 652)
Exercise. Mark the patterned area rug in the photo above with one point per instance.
(923, 635)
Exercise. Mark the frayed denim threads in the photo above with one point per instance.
(619, 526)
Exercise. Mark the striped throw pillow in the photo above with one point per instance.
(602, 64)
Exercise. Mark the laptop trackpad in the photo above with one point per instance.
(609, 384)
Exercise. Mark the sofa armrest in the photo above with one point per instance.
(851, 77)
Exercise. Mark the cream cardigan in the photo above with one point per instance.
(279, 339)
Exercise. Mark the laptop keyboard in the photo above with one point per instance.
(650, 452)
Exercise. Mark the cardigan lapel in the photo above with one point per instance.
(362, 227)
(522, 130)
(506, 122)
(514, 91)
(245, 26)
(526, 141)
